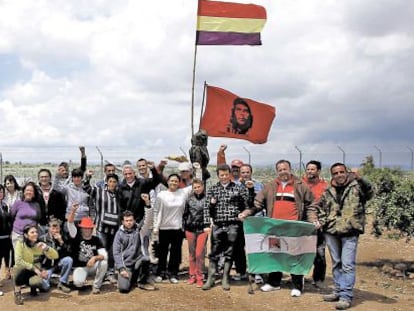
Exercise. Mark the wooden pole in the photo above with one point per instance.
(202, 103)
(192, 90)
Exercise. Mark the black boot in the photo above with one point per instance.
(211, 279)
(33, 291)
(226, 274)
(18, 298)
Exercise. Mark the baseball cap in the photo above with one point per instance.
(237, 163)
(86, 222)
(185, 166)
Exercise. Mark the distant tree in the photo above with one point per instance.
(393, 204)
(368, 165)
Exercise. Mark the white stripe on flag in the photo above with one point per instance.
(261, 243)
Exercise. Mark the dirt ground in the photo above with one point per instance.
(375, 290)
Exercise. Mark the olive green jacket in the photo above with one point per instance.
(29, 257)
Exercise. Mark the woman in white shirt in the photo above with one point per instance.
(168, 225)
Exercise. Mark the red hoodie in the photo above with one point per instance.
(317, 188)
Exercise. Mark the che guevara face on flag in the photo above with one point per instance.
(228, 115)
(241, 119)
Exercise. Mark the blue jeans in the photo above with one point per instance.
(65, 265)
(343, 252)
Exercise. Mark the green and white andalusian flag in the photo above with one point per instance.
(279, 245)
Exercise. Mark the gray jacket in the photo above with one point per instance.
(127, 248)
(75, 194)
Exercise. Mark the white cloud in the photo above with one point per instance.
(119, 74)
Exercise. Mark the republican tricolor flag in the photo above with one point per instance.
(279, 245)
(228, 23)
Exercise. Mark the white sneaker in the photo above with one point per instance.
(295, 293)
(173, 280)
(269, 288)
(158, 279)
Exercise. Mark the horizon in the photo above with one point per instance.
(117, 155)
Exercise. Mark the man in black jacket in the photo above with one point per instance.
(52, 202)
(132, 187)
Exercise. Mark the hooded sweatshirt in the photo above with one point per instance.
(127, 247)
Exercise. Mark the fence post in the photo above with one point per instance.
(102, 165)
(248, 152)
(380, 156)
(412, 157)
(343, 154)
(183, 151)
(300, 161)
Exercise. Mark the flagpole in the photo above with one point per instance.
(202, 102)
(192, 90)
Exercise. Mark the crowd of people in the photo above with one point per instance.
(129, 232)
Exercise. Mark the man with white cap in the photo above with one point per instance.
(186, 174)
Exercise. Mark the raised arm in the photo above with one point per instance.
(221, 155)
(71, 221)
(83, 159)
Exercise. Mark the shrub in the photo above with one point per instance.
(393, 204)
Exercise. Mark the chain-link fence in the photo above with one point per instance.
(24, 163)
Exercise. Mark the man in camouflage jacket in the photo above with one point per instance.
(341, 213)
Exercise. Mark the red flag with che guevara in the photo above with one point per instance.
(228, 115)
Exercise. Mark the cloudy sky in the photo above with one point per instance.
(118, 75)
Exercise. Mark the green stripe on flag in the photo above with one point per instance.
(279, 227)
(269, 262)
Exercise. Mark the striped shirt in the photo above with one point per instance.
(284, 206)
(107, 208)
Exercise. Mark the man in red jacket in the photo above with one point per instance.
(288, 198)
(317, 185)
